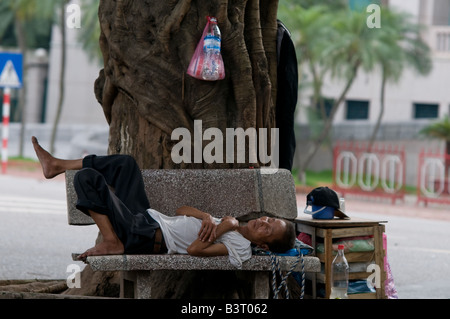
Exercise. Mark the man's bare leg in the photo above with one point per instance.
(52, 166)
(111, 244)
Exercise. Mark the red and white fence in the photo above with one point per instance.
(378, 171)
(433, 177)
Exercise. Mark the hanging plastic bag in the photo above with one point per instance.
(207, 63)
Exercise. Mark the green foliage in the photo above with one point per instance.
(334, 41)
(332, 4)
(36, 18)
(439, 129)
(21, 159)
(314, 179)
(90, 32)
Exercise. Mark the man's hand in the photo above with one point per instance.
(230, 223)
(208, 247)
(208, 229)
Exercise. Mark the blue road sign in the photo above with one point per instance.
(11, 70)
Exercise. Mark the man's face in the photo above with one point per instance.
(266, 229)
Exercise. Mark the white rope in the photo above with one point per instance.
(283, 284)
(302, 294)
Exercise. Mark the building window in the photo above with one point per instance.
(327, 105)
(357, 110)
(426, 111)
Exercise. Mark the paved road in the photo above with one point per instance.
(36, 241)
(419, 255)
(418, 241)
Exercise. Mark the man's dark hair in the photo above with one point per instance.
(286, 242)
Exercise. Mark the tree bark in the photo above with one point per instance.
(145, 92)
(381, 113)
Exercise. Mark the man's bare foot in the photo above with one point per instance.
(104, 248)
(48, 162)
(52, 166)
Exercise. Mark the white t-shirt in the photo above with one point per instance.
(180, 231)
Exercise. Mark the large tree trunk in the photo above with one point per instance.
(144, 89)
(145, 92)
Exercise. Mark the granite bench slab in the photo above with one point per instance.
(187, 262)
(241, 193)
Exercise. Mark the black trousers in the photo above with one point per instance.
(112, 185)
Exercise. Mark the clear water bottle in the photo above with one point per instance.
(211, 47)
(339, 275)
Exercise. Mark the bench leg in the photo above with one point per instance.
(135, 284)
(143, 286)
(261, 285)
(127, 284)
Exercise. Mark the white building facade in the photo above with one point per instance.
(410, 104)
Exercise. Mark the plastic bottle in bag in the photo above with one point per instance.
(211, 48)
(339, 275)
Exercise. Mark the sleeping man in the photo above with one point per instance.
(110, 189)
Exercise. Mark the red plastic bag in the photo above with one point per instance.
(207, 63)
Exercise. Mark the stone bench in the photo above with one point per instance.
(242, 193)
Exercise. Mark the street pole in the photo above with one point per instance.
(5, 128)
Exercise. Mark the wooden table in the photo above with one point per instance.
(332, 229)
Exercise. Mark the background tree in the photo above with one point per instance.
(336, 43)
(60, 8)
(399, 46)
(440, 130)
(32, 22)
(337, 46)
(90, 32)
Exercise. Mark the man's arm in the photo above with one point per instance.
(208, 229)
(207, 248)
(191, 211)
